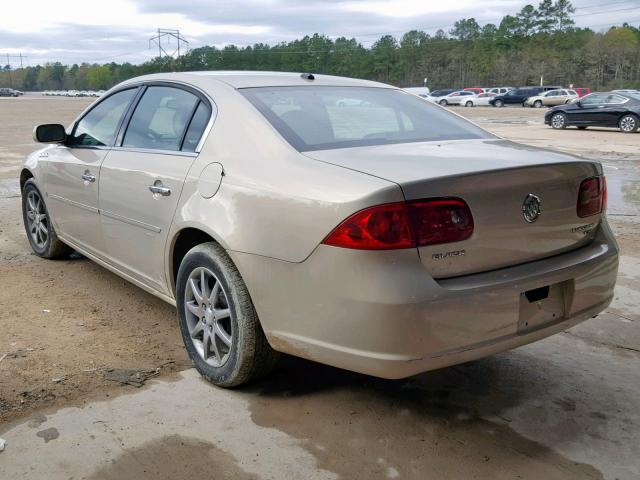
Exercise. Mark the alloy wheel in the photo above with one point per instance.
(558, 121)
(628, 124)
(37, 219)
(208, 316)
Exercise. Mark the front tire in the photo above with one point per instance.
(469, 104)
(537, 104)
(498, 103)
(37, 223)
(219, 325)
(444, 103)
(559, 121)
(629, 123)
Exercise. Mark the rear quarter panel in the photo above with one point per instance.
(272, 201)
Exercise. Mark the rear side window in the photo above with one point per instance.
(323, 117)
(99, 127)
(615, 99)
(160, 119)
(196, 127)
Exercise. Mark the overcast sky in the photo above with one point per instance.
(74, 31)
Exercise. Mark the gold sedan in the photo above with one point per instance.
(551, 98)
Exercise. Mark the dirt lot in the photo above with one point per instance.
(65, 323)
(565, 407)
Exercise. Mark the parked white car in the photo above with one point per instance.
(460, 97)
(481, 100)
(498, 90)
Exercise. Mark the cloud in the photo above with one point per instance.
(70, 31)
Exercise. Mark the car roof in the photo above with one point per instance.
(248, 79)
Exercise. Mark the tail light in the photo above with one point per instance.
(404, 225)
(592, 196)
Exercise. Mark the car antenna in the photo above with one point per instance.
(307, 76)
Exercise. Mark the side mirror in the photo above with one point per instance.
(579, 103)
(49, 133)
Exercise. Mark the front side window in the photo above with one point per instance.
(160, 119)
(320, 118)
(594, 99)
(99, 127)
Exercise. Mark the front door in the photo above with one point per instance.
(141, 180)
(588, 111)
(72, 171)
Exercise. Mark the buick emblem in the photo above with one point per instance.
(531, 208)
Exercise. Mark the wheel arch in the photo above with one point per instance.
(629, 112)
(182, 241)
(25, 174)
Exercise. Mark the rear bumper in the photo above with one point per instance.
(382, 314)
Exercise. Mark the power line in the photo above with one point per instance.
(167, 34)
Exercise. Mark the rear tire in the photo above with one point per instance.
(37, 223)
(559, 121)
(582, 128)
(444, 103)
(468, 104)
(219, 324)
(629, 123)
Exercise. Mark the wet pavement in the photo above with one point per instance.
(562, 408)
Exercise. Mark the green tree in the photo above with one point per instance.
(465, 29)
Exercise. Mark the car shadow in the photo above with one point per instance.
(454, 419)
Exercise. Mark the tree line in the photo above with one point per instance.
(537, 42)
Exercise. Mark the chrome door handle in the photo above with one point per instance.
(160, 190)
(88, 177)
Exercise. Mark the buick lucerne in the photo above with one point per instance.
(340, 220)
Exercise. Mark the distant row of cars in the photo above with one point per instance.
(73, 93)
(568, 106)
(500, 96)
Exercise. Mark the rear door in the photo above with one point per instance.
(142, 178)
(73, 171)
(615, 107)
(554, 97)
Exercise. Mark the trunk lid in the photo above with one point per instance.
(494, 177)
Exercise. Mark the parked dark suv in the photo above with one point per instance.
(8, 92)
(519, 95)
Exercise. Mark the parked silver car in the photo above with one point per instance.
(340, 220)
(460, 97)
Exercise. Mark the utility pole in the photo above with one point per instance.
(167, 34)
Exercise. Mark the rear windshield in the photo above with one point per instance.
(322, 118)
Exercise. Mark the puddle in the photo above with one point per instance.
(173, 457)
(48, 434)
(434, 423)
(623, 188)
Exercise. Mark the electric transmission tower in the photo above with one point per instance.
(167, 35)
